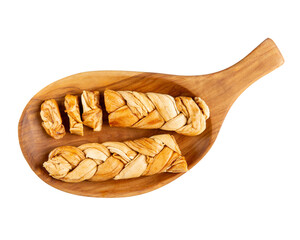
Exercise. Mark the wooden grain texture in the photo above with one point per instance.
(219, 90)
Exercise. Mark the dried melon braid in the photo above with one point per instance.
(184, 115)
(117, 160)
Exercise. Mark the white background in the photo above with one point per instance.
(246, 187)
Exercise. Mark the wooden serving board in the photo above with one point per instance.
(219, 90)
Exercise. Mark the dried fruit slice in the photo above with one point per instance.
(152, 121)
(72, 108)
(92, 113)
(113, 100)
(107, 170)
(133, 169)
(123, 117)
(52, 122)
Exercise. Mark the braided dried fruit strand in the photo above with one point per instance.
(185, 115)
(116, 160)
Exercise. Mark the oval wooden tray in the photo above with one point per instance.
(219, 90)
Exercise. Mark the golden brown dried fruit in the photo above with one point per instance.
(72, 108)
(52, 122)
(184, 115)
(92, 113)
(116, 160)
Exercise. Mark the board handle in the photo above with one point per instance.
(262, 60)
(227, 85)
